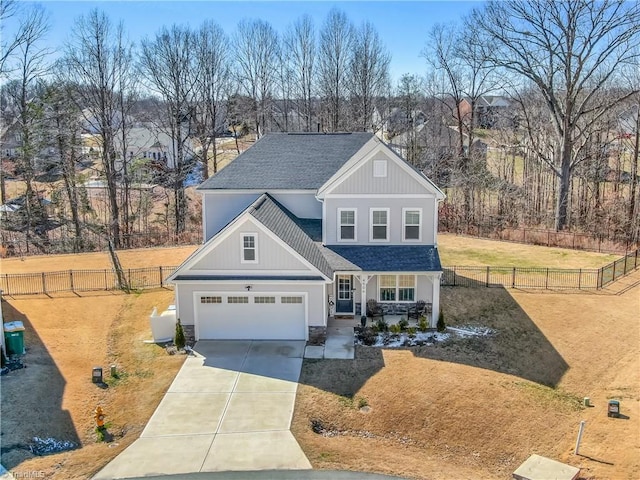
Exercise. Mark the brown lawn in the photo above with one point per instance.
(466, 409)
(477, 408)
(66, 337)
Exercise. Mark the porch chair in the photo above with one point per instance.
(373, 309)
(419, 309)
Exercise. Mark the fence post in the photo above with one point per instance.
(513, 278)
(546, 282)
(44, 284)
(580, 280)
(6, 282)
(161, 279)
(71, 280)
(106, 284)
(599, 279)
(625, 264)
(488, 273)
(613, 277)
(548, 238)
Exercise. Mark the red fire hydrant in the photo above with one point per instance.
(99, 417)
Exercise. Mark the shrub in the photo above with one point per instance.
(403, 324)
(367, 336)
(362, 402)
(422, 324)
(382, 325)
(441, 326)
(179, 340)
(411, 331)
(395, 328)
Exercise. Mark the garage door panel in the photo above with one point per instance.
(239, 316)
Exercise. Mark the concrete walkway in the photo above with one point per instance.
(338, 344)
(229, 408)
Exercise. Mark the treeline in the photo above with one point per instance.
(526, 113)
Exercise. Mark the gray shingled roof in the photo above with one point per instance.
(288, 161)
(282, 222)
(329, 259)
(390, 258)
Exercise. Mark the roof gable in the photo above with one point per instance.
(270, 218)
(285, 161)
(356, 176)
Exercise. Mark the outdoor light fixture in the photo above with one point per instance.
(248, 287)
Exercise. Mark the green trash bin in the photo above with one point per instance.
(14, 338)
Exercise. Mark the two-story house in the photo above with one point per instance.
(301, 227)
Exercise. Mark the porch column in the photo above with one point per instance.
(363, 279)
(435, 300)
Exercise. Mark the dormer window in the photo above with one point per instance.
(347, 225)
(379, 168)
(249, 251)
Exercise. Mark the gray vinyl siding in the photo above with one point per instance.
(302, 205)
(271, 254)
(315, 297)
(221, 207)
(395, 206)
(397, 180)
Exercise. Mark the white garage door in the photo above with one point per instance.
(243, 316)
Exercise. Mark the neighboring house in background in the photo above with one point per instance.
(301, 227)
(490, 111)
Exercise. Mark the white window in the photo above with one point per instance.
(379, 225)
(387, 285)
(397, 288)
(210, 299)
(412, 224)
(291, 300)
(347, 225)
(379, 168)
(237, 299)
(249, 254)
(264, 300)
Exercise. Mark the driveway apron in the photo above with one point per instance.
(229, 408)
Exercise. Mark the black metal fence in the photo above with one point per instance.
(504, 277)
(82, 280)
(612, 272)
(515, 277)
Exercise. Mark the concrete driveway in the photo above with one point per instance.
(229, 408)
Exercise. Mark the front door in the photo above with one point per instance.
(344, 294)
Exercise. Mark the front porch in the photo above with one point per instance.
(395, 295)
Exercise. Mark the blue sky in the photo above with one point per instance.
(403, 26)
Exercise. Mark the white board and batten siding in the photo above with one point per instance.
(362, 180)
(271, 255)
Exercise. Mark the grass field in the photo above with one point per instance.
(454, 250)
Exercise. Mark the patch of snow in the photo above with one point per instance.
(472, 331)
(45, 446)
(396, 340)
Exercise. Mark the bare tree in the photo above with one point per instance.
(168, 62)
(256, 48)
(212, 89)
(570, 51)
(336, 39)
(453, 52)
(96, 60)
(64, 134)
(30, 66)
(409, 97)
(368, 74)
(300, 40)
